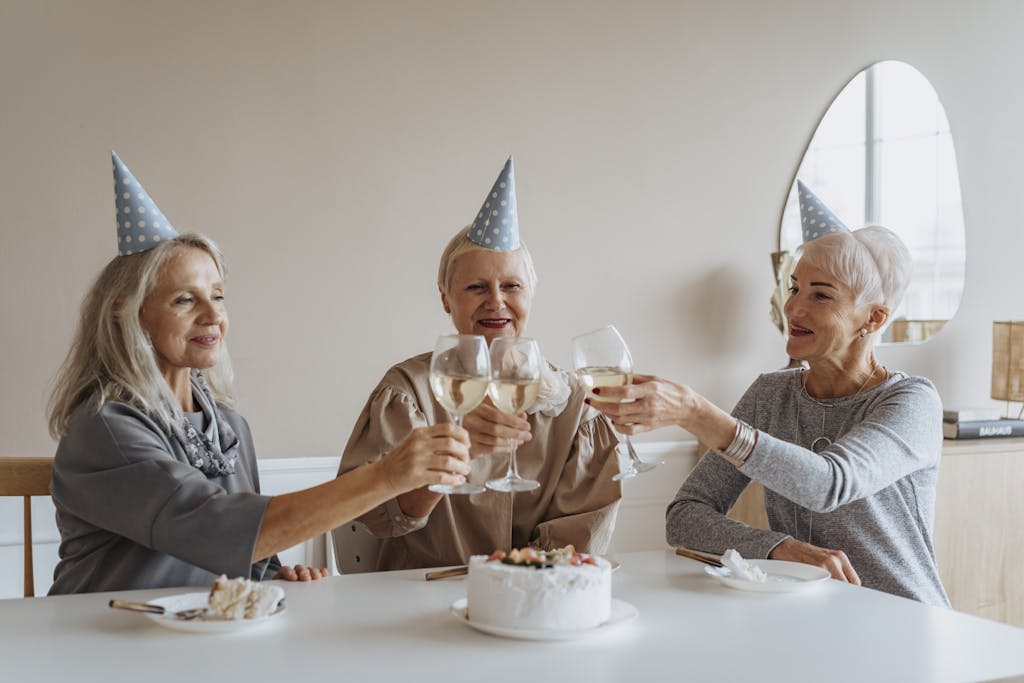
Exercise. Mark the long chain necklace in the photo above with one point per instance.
(822, 442)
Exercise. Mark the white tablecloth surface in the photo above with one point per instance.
(394, 626)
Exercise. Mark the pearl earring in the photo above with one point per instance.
(863, 332)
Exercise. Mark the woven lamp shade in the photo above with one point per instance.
(1008, 360)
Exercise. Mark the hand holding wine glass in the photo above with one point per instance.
(516, 366)
(460, 372)
(602, 359)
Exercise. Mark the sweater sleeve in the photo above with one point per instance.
(696, 518)
(900, 433)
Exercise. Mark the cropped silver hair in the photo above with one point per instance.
(873, 262)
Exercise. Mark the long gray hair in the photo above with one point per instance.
(111, 357)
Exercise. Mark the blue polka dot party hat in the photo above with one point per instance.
(140, 223)
(496, 226)
(816, 219)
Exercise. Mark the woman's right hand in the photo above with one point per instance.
(438, 454)
(649, 402)
(835, 562)
(490, 429)
(652, 402)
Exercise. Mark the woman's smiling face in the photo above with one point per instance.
(184, 315)
(490, 294)
(823, 315)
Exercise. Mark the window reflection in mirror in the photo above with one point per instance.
(883, 155)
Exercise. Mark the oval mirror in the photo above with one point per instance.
(883, 155)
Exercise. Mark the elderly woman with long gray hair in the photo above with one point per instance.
(847, 449)
(155, 479)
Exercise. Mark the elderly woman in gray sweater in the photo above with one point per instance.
(847, 449)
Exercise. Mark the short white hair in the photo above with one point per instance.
(873, 262)
(460, 244)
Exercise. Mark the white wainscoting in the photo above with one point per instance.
(640, 525)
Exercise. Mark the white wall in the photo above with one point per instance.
(333, 147)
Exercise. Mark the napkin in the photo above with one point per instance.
(741, 569)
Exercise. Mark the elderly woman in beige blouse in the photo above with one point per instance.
(564, 444)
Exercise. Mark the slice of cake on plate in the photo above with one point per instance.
(243, 599)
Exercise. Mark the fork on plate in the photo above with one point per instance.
(146, 608)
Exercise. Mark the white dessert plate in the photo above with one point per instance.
(212, 624)
(783, 577)
(622, 613)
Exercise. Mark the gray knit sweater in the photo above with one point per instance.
(871, 493)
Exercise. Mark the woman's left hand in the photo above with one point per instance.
(301, 573)
(490, 429)
(654, 402)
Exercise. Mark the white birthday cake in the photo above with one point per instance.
(556, 590)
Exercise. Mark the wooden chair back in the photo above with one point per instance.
(26, 477)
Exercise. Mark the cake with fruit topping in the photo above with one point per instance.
(554, 590)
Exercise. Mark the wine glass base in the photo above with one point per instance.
(635, 468)
(510, 484)
(464, 489)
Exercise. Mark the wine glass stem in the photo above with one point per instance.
(513, 468)
(633, 457)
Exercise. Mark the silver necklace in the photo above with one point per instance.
(822, 442)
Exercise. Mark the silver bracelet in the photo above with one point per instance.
(743, 443)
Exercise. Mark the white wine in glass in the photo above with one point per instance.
(597, 377)
(458, 395)
(516, 366)
(514, 396)
(602, 359)
(460, 371)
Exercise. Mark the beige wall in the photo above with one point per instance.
(333, 147)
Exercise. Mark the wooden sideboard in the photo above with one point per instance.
(979, 526)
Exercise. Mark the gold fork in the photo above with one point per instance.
(146, 608)
(446, 573)
(706, 558)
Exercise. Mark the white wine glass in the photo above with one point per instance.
(516, 366)
(602, 359)
(460, 371)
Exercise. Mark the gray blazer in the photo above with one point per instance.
(133, 513)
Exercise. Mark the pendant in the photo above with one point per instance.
(824, 442)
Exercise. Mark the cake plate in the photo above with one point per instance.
(622, 613)
(210, 624)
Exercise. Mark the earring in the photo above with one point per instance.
(863, 332)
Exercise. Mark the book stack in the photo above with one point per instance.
(979, 423)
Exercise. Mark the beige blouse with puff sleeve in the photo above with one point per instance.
(572, 455)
